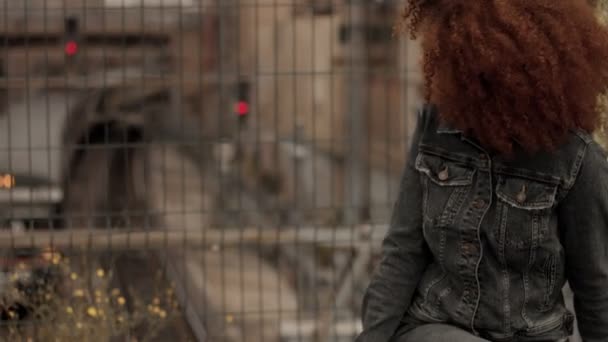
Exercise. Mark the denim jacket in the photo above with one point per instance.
(486, 243)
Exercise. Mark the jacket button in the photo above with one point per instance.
(522, 195)
(479, 204)
(444, 174)
(469, 248)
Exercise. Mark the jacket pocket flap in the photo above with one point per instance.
(444, 173)
(526, 194)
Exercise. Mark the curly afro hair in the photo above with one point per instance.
(512, 72)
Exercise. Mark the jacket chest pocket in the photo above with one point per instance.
(445, 185)
(525, 234)
(525, 209)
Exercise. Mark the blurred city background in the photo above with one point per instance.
(210, 170)
(197, 170)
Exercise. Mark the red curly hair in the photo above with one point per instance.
(510, 72)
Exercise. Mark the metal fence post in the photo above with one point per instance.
(358, 191)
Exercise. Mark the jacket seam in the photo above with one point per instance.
(575, 171)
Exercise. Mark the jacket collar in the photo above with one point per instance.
(444, 128)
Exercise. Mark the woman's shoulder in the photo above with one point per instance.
(591, 174)
(563, 164)
(595, 154)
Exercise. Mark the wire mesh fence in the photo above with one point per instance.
(211, 170)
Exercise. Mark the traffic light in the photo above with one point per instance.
(71, 48)
(71, 45)
(242, 106)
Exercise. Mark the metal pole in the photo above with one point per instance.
(119, 239)
(358, 190)
(404, 103)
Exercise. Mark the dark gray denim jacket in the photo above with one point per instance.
(487, 243)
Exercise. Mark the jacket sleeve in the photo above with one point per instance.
(583, 220)
(404, 258)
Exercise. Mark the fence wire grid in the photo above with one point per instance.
(197, 170)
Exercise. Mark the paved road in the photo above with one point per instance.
(237, 295)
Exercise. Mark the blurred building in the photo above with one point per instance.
(302, 57)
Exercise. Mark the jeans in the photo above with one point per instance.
(440, 333)
(437, 333)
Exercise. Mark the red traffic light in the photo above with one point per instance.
(71, 48)
(241, 108)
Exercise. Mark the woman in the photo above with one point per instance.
(505, 195)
